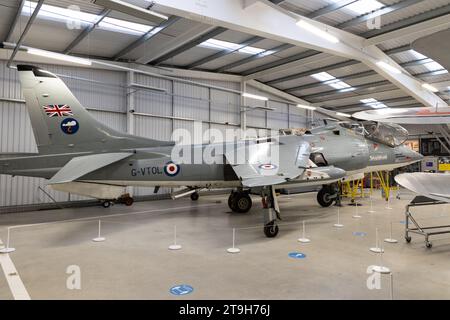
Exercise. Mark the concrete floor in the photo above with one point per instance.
(134, 262)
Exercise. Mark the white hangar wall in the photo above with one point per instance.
(156, 115)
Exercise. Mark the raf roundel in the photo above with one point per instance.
(268, 166)
(69, 126)
(171, 169)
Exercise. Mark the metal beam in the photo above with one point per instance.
(361, 105)
(281, 26)
(15, 20)
(353, 76)
(433, 20)
(296, 61)
(155, 52)
(146, 37)
(377, 13)
(254, 57)
(313, 71)
(330, 8)
(25, 31)
(360, 87)
(223, 53)
(86, 31)
(189, 45)
(398, 49)
(317, 84)
(268, 68)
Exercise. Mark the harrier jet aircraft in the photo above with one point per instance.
(80, 155)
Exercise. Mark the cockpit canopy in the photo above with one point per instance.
(390, 134)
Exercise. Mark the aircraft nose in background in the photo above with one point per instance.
(415, 156)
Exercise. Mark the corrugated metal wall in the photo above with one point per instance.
(157, 114)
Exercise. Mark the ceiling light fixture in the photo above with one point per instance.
(254, 96)
(304, 106)
(341, 114)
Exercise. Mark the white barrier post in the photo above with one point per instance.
(371, 204)
(338, 224)
(388, 206)
(234, 249)
(380, 268)
(390, 239)
(99, 237)
(7, 249)
(304, 239)
(377, 248)
(175, 246)
(356, 215)
(391, 281)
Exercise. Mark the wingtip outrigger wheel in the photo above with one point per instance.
(195, 196)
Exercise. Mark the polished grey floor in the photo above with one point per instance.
(134, 262)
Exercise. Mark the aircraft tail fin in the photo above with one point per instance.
(61, 124)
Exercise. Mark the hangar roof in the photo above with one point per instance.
(83, 28)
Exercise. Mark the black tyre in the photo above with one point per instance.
(128, 201)
(194, 196)
(324, 197)
(106, 204)
(271, 230)
(408, 239)
(241, 203)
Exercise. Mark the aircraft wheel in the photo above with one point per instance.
(428, 244)
(271, 230)
(242, 203)
(324, 197)
(106, 204)
(128, 201)
(408, 239)
(195, 196)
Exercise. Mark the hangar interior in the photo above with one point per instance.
(148, 68)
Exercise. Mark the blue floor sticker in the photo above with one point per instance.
(297, 255)
(359, 234)
(181, 290)
(403, 222)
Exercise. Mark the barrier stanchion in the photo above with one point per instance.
(8, 249)
(304, 239)
(175, 246)
(234, 249)
(338, 224)
(356, 215)
(99, 236)
(390, 239)
(377, 248)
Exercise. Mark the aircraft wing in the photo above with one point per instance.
(268, 163)
(431, 185)
(80, 166)
(440, 115)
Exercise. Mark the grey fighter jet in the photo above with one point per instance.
(80, 155)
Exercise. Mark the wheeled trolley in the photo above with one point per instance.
(417, 202)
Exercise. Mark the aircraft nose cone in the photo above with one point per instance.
(415, 156)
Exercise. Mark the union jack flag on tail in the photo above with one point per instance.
(58, 110)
